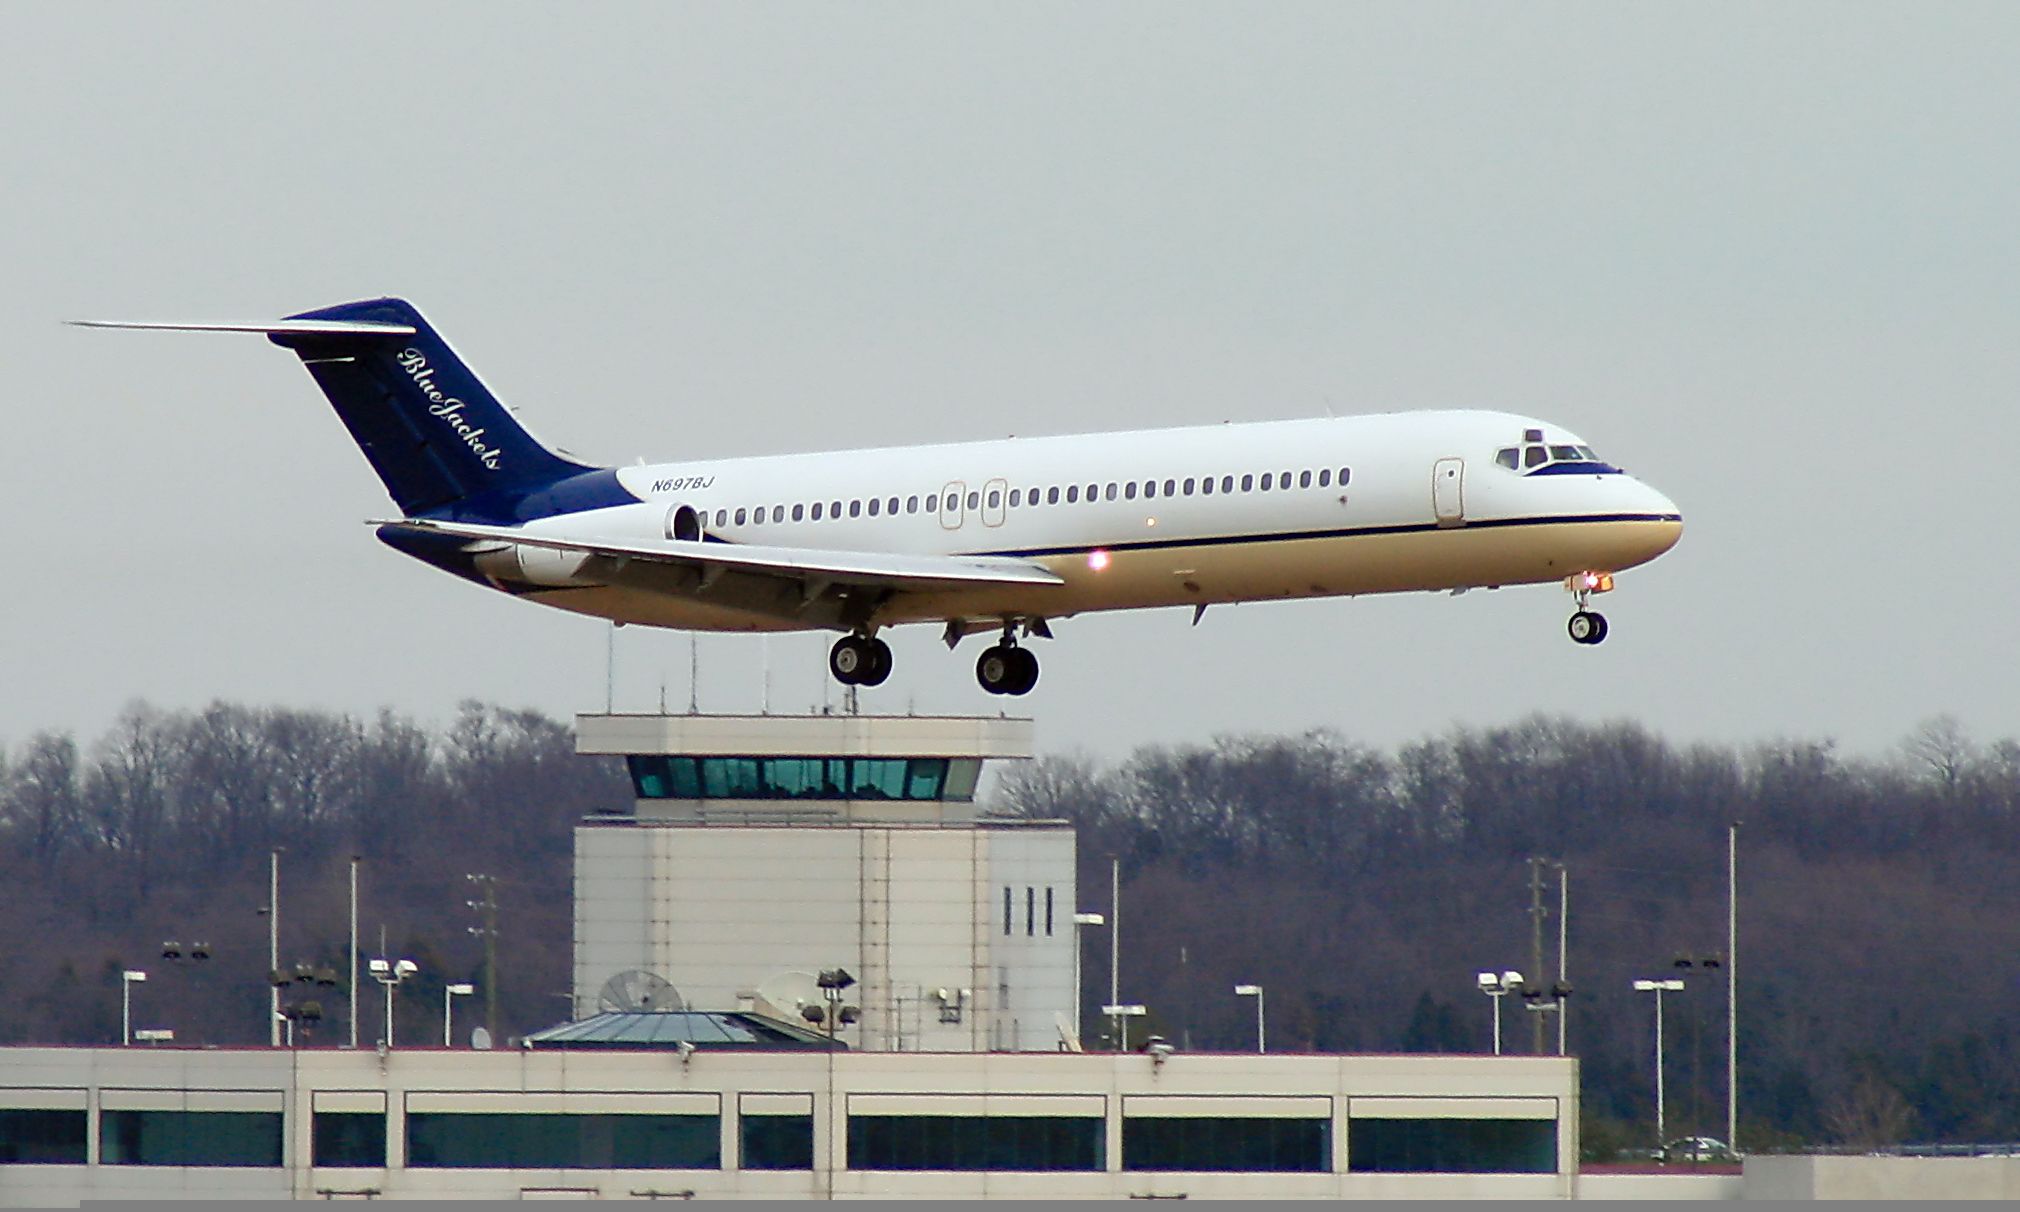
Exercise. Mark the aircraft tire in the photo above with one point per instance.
(996, 668)
(879, 667)
(850, 660)
(1586, 627)
(1023, 670)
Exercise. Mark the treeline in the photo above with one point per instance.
(1879, 912)
(1362, 888)
(161, 830)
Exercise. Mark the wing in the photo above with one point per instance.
(810, 567)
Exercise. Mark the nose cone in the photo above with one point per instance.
(1664, 521)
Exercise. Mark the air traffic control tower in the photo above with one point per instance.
(762, 853)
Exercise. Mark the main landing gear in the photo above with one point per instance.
(860, 660)
(1587, 626)
(1007, 669)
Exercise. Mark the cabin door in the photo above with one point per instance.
(951, 509)
(1448, 491)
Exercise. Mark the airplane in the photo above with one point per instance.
(1002, 537)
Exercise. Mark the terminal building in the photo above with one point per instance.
(808, 963)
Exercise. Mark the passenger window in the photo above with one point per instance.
(1345, 474)
(1283, 479)
(1506, 457)
(1171, 485)
(1188, 486)
(1072, 494)
(1325, 477)
(1227, 483)
(995, 497)
(1304, 479)
(799, 513)
(1206, 486)
(1268, 481)
(876, 506)
(1149, 489)
(1533, 456)
(856, 508)
(817, 511)
(1111, 491)
(740, 517)
(1247, 484)
(778, 513)
(1016, 497)
(912, 503)
(974, 500)
(1129, 491)
(721, 518)
(933, 503)
(834, 509)
(1052, 495)
(891, 506)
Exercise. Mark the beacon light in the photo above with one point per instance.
(1097, 559)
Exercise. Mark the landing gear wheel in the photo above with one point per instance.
(1024, 671)
(1587, 627)
(879, 667)
(853, 659)
(1002, 670)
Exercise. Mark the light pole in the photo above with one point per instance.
(1080, 922)
(1658, 988)
(1115, 946)
(273, 947)
(449, 993)
(390, 974)
(1256, 992)
(1498, 986)
(127, 980)
(355, 860)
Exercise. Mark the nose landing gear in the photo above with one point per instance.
(1587, 626)
(860, 660)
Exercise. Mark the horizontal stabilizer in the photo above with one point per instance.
(271, 328)
(888, 569)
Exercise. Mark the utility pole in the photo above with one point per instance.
(1563, 991)
(355, 860)
(487, 904)
(1536, 915)
(273, 947)
(1732, 987)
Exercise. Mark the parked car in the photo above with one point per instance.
(1698, 1149)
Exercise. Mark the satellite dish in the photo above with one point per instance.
(783, 995)
(635, 990)
(480, 1039)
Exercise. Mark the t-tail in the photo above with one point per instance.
(434, 433)
(440, 441)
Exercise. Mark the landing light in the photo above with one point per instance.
(1097, 560)
(1590, 582)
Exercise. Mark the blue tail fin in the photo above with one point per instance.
(431, 430)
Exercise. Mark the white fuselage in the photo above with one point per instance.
(1425, 506)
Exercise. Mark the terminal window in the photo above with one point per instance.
(1248, 1144)
(519, 1141)
(1452, 1146)
(31, 1138)
(778, 1142)
(658, 777)
(190, 1138)
(976, 1142)
(349, 1138)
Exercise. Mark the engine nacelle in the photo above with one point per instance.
(536, 566)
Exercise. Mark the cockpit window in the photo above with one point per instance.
(1506, 457)
(1585, 452)
(1567, 453)
(1533, 456)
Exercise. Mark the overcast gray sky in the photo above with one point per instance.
(1763, 256)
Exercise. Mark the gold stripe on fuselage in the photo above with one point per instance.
(1214, 572)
